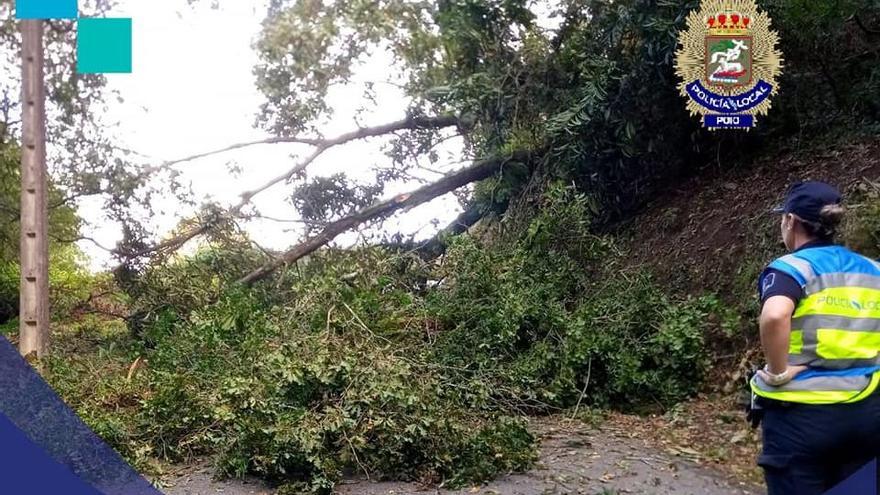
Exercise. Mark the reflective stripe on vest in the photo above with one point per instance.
(820, 389)
(803, 272)
(835, 326)
(833, 341)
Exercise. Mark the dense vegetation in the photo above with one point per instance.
(599, 90)
(402, 363)
(378, 361)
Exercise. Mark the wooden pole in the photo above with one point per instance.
(34, 255)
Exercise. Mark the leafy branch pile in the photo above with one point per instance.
(376, 362)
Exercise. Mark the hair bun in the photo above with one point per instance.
(831, 215)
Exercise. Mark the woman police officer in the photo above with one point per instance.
(820, 332)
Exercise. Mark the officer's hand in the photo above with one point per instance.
(783, 378)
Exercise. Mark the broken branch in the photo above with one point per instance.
(322, 146)
(478, 171)
(362, 133)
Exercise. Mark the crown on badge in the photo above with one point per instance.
(728, 23)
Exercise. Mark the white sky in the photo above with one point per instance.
(192, 90)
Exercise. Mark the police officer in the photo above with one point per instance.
(820, 333)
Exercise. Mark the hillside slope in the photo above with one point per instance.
(713, 232)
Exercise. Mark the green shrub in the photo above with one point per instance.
(9, 280)
(70, 282)
(529, 321)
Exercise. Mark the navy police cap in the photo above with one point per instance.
(806, 200)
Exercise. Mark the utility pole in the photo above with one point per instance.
(34, 247)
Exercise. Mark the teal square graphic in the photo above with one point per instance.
(103, 45)
(45, 9)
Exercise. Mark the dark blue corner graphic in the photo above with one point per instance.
(34, 412)
(27, 468)
(863, 482)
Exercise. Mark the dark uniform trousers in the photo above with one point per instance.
(808, 449)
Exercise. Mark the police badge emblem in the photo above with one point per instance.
(728, 63)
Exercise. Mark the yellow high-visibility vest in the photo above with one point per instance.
(835, 327)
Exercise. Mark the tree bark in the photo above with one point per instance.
(476, 172)
(34, 248)
(436, 246)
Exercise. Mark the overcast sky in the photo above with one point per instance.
(192, 90)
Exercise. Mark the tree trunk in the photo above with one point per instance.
(34, 255)
(436, 246)
(451, 182)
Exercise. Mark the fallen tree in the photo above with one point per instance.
(476, 172)
(321, 145)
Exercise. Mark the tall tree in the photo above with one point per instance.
(589, 82)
